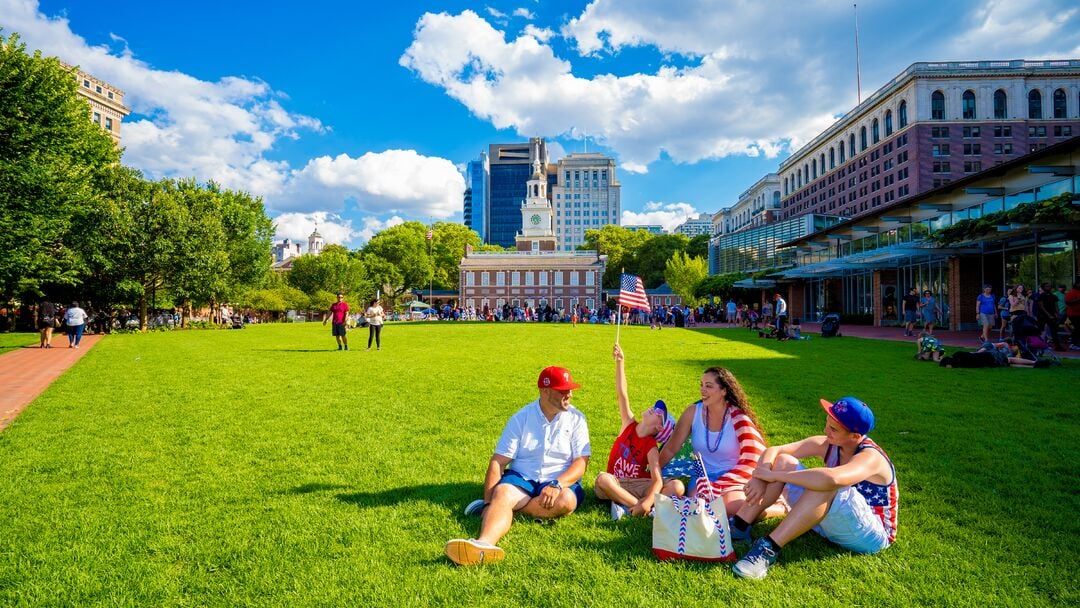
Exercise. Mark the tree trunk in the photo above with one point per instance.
(142, 312)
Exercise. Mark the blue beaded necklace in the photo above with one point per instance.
(708, 444)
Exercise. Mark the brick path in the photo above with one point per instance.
(26, 372)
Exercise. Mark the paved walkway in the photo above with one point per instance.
(26, 372)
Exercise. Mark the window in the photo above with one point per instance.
(972, 166)
(1003, 131)
(590, 280)
(97, 118)
(841, 147)
(1059, 103)
(1002, 148)
(813, 169)
(968, 102)
(888, 123)
(903, 114)
(940, 149)
(862, 139)
(1063, 131)
(971, 132)
(110, 95)
(1034, 104)
(941, 166)
(851, 146)
(832, 158)
(470, 278)
(901, 157)
(528, 273)
(485, 278)
(823, 163)
(97, 89)
(500, 278)
(937, 106)
(939, 131)
(1037, 131)
(108, 124)
(573, 277)
(86, 83)
(875, 135)
(1001, 102)
(542, 275)
(972, 149)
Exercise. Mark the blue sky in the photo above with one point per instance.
(360, 115)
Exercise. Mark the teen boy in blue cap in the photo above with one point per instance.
(851, 501)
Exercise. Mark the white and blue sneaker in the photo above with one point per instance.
(755, 564)
(475, 507)
(618, 511)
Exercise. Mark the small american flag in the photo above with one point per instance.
(430, 234)
(632, 293)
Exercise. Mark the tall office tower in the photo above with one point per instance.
(509, 168)
(585, 195)
(476, 196)
(931, 124)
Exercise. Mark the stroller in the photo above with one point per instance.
(1031, 344)
(830, 326)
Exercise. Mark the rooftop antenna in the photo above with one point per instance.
(858, 70)
(586, 131)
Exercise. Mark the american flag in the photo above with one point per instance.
(632, 293)
(430, 234)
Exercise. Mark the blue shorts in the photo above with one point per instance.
(849, 523)
(533, 488)
(909, 316)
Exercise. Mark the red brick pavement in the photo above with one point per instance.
(26, 372)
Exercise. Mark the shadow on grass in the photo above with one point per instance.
(453, 496)
(294, 350)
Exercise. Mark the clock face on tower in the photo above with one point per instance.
(535, 219)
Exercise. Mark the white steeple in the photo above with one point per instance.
(315, 241)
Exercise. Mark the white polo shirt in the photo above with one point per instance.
(542, 450)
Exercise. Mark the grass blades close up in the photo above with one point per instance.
(263, 467)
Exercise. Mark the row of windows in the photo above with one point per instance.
(968, 108)
(498, 303)
(854, 209)
(97, 88)
(107, 124)
(529, 278)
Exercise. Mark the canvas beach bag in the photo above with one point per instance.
(692, 528)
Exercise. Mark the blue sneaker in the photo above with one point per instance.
(755, 564)
(475, 507)
(618, 511)
(738, 535)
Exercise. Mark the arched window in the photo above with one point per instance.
(903, 114)
(1034, 104)
(813, 169)
(1059, 103)
(862, 139)
(888, 123)
(823, 163)
(798, 175)
(937, 106)
(968, 105)
(1001, 104)
(851, 146)
(841, 147)
(875, 132)
(832, 158)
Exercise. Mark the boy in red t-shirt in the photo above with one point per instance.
(633, 474)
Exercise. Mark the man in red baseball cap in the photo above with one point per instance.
(852, 501)
(536, 469)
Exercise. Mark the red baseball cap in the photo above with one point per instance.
(557, 378)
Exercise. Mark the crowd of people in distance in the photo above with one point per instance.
(543, 451)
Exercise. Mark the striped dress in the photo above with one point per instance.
(731, 456)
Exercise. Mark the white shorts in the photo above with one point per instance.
(850, 522)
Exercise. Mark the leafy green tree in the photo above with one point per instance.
(719, 285)
(448, 247)
(620, 245)
(683, 274)
(699, 247)
(331, 272)
(650, 259)
(405, 248)
(50, 153)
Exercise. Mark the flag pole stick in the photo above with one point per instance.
(618, 309)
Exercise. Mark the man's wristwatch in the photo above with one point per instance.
(554, 483)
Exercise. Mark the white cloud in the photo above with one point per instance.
(373, 226)
(542, 34)
(495, 13)
(223, 130)
(993, 27)
(668, 215)
(524, 13)
(298, 226)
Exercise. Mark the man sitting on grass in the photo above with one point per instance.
(851, 501)
(633, 475)
(536, 469)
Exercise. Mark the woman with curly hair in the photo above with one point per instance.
(723, 428)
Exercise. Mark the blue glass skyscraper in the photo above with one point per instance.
(510, 166)
(476, 196)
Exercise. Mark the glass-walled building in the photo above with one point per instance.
(863, 267)
(754, 249)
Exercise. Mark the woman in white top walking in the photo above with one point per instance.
(374, 317)
(75, 318)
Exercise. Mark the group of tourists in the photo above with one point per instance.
(50, 317)
(543, 452)
(338, 316)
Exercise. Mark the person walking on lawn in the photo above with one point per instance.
(852, 501)
(536, 469)
(338, 317)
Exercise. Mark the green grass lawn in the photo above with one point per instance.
(15, 340)
(262, 468)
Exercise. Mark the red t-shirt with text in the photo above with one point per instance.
(630, 455)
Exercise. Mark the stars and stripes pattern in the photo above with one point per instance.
(632, 293)
(884, 501)
(751, 446)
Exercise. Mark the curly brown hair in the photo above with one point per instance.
(736, 397)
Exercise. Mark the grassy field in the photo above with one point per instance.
(14, 340)
(261, 468)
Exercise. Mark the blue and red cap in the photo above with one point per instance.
(850, 413)
(669, 423)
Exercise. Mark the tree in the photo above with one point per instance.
(620, 246)
(331, 272)
(650, 259)
(719, 285)
(683, 274)
(699, 246)
(448, 247)
(404, 247)
(50, 153)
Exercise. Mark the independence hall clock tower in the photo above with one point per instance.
(537, 219)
